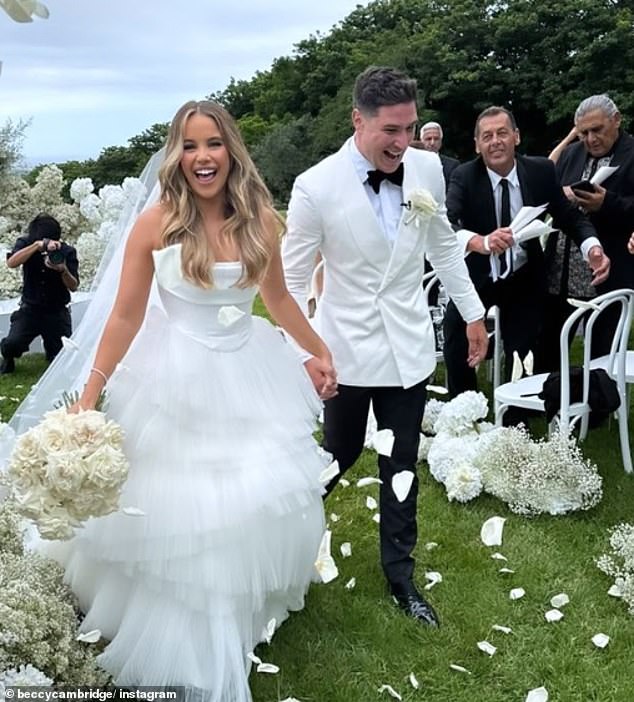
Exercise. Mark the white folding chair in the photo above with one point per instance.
(523, 392)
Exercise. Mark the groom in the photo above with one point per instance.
(359, 208)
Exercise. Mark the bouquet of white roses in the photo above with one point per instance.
(66, 469)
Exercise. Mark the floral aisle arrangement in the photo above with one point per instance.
(469, 455)
(68, 468)
(618, 563)
(39, 614)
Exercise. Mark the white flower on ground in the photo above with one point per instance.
(492, 530)
(487, 648)
(24, 676)
(325, 563)
(539, 694)
(554, 615)
(560, 600)
(600, 640)
(464, 482)
(517, 593)
(461, 415)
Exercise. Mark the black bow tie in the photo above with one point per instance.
(375, 177)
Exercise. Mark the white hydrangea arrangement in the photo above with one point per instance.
(618, 563)
(39, 615)
(66, 469)
(469, 455)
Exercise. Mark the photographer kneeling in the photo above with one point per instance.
(50, 273)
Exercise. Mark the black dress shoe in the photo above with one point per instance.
(7, 366)
(416, 606)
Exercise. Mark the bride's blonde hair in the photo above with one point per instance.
(248, 203)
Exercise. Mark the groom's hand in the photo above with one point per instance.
(478, 342)
(323, 376)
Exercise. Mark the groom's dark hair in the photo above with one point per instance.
(381, 85)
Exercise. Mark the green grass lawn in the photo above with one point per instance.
(347, 643)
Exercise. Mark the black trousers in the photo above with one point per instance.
(398, 409)
(28, 322)
(521, 304)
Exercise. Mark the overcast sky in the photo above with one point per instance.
(98, 72)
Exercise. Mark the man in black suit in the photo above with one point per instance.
(610, 208)
(484, 195)
(431, 136)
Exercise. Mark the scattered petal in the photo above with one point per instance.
(377, 518)
(229, 314)
(517, 593)
(90, 636)
(491, 532)
(499, 557)
(133, 512)
(517, 371)
(438, 389)
(334, 517)
(505, 570)
(430, 545)
(329, 472)
(488, 648)
(351, 584)
(269, 630)
(344, 482)
(69, 344)
(539, 694)
(346, 549)
(600, 640)
(554, 615)
(434, 578)
(615, 591)
(503, 629)
(383, 442)
(560, 600)
(325, 563)
(364, 482)
(268, 668)
(459, 668)
(370, 502)
(528, 363)
(390, 691)
(402, 484)
(413, 681)
(252, 657)
(290, 699)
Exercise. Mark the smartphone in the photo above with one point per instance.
(583, 185)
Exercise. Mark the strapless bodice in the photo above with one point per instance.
(220, 317)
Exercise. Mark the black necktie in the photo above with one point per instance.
(505, 220)
(376, 177)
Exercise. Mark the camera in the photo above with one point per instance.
(55, 257)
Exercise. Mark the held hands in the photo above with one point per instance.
(478, 342)
(497, 241)
(323, 376)
(599, 264)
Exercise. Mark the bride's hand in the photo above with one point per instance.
(323, 375)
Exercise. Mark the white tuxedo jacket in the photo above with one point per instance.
(372, 313)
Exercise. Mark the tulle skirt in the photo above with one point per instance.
(224, 476)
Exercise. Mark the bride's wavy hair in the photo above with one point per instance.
(248, 203)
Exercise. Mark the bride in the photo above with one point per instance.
(218, 414)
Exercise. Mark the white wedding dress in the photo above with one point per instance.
(218, 414)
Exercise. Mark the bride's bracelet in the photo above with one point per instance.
(101, 373)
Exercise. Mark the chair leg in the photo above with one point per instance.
(500, 411)
(624, 436)
(585, 423)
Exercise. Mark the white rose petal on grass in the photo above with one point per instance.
(503, 629)
(554, 615)
(390, 691)
(370, 502)
(539, 694)
(229, 314)
(459, 669)
(344, 482)
(487, 648)
(90, 636)
(290, 699)
(364, 482)
(269, 668)
(334, 517)
(133, 512)
(505, 570)
(351, 584)
(383, 442)
(269, 630)
(600, 640)
(517, 593)
(253, 658)
(377, 518)
(402, 484)
(615, 591)
(431, 545)
(498, 557)
(413, 681)
(325, 563)
(346, 549)
(329, 472)
(433, 577)
(491, 531)
(560, 600)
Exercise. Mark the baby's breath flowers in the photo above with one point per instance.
(618, 563)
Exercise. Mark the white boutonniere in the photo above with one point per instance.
(419, 203)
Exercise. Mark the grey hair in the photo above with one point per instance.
(596, 102)
(431, 125)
